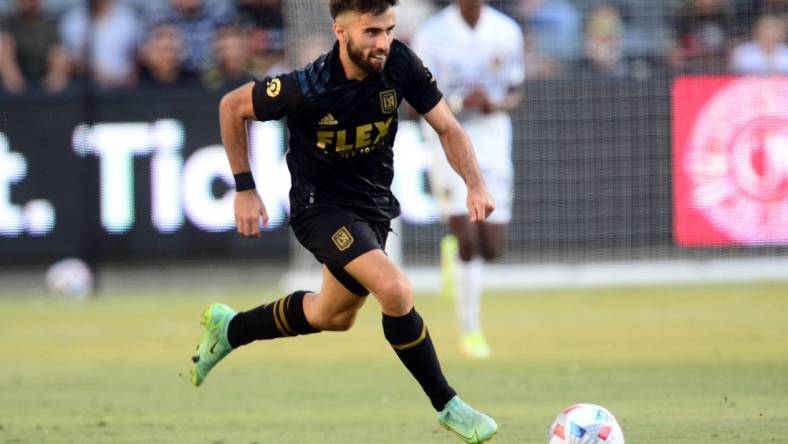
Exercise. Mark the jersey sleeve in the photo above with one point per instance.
(421, 89)
(276, 97)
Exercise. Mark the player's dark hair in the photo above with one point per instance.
(375, 7)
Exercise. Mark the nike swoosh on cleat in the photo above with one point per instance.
(213, 346)
(467, 438)
(471, 434)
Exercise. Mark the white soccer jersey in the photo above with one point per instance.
(487, 56)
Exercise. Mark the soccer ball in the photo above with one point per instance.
(585, 424)
(70, 278)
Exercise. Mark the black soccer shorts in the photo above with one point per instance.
(336, 236)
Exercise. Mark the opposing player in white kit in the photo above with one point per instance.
(476, 53)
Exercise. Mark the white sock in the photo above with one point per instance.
(469, 294)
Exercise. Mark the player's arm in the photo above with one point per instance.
(459, 152)
(512, 100)
(478, 98)
(10, 73)
(513, 72)
(235, 108)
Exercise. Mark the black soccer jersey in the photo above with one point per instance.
(342, 131)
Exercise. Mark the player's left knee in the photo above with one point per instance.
(466, 249)
(394, 290)
(491, 253)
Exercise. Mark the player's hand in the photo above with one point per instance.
(478, 99)
(480, 204)
(249, 209)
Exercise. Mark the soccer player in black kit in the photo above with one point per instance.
(342, 118)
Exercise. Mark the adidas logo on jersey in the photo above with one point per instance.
(328, 120)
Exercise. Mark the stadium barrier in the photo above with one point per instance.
(149, 180)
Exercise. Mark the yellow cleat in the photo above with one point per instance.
(474, 345)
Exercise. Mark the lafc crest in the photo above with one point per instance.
(342, 239)
(388, 101)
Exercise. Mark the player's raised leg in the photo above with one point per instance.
(468, 291)
(407, 333)
(334, 308)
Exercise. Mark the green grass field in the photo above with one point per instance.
(695, 364)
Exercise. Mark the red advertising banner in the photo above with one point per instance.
(730, 161)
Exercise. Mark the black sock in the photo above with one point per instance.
(411, 341)
(283, 317)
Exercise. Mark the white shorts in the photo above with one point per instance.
(449, 187)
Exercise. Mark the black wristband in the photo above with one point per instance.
(244, 181)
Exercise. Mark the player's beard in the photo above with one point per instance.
(365, 63)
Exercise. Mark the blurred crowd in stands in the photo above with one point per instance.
(52, 45)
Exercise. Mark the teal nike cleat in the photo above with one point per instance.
(214, 345)
(471, 426)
